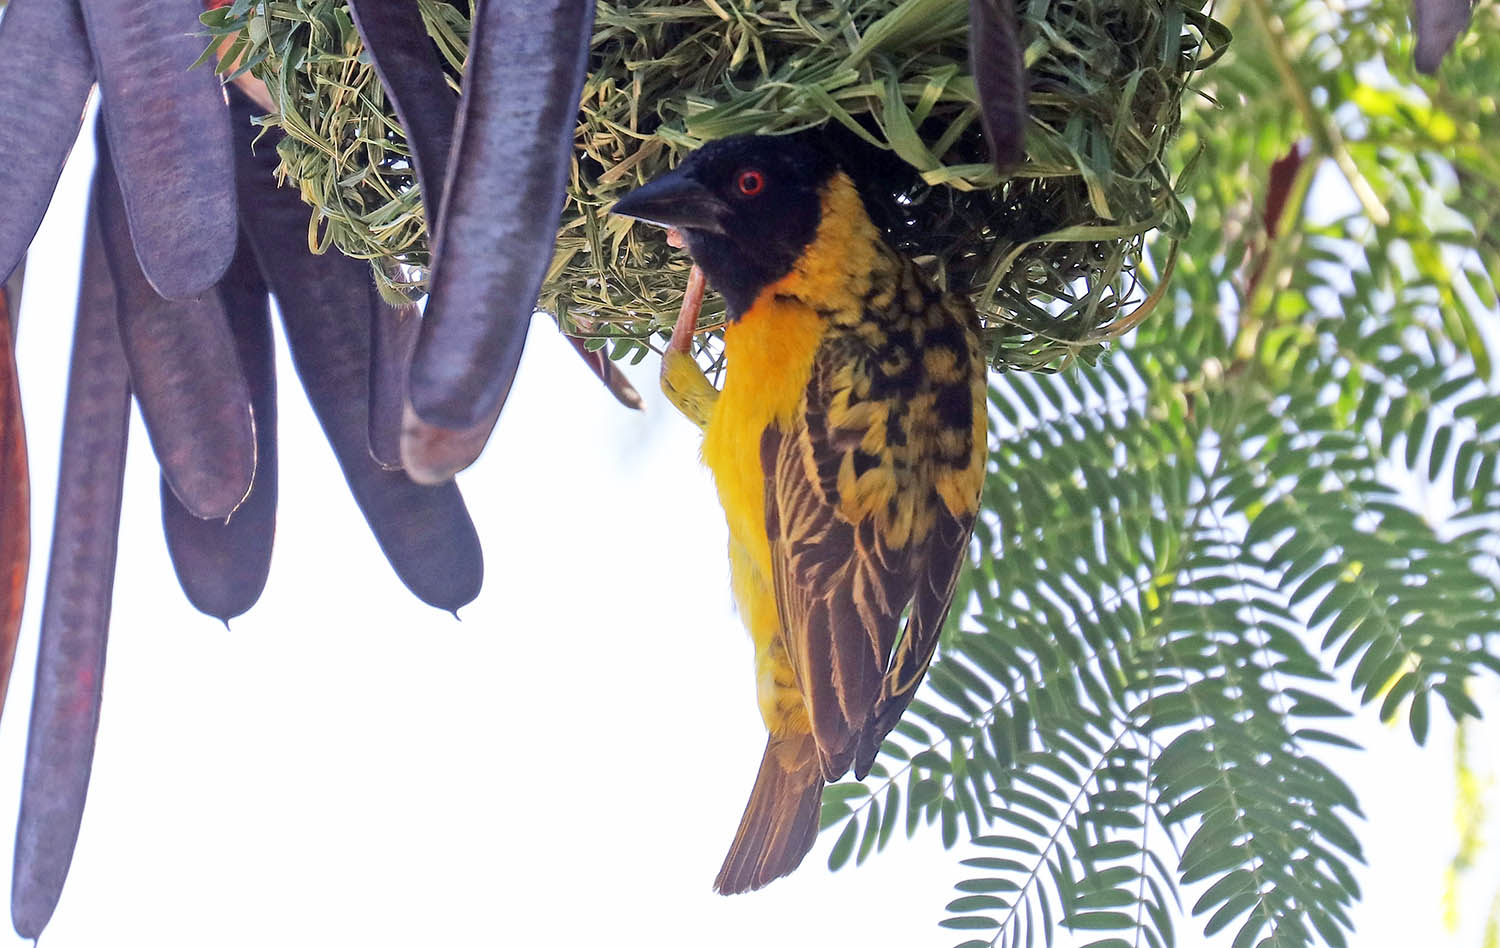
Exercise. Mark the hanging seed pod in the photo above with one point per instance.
(174, 164)
(222, 565)
(183, 369)
(46, 72)
(425, 532)
(999, 79)
(1437, 24)
(412, 76)
(514, 137)
(76, 603)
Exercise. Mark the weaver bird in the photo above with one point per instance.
(848, 448)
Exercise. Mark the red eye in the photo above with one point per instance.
(751, 183)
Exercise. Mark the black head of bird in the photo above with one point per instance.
(746, 207)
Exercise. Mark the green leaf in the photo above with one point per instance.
(977, 903)
(872, 831)
(1418, 717)
(1229, 911)
(969, 923)
(1098, 921)
(1008, 842)
(1239, 882)
(949, 823)
(993, 863)
(888, 821)
(987, 886)
(843, 847)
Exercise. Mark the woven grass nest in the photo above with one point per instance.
(1049, 253)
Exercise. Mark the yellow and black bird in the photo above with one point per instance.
(848, 448)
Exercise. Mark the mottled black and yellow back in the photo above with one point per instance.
(871, 494)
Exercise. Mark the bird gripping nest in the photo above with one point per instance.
(1050, 254)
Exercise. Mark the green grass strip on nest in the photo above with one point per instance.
(1051, 255)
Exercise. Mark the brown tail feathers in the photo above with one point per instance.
(781, 819)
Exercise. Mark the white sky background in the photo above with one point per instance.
(565, 766)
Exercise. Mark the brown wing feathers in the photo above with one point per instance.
(838, 666)
(943, 557)
(842, 588)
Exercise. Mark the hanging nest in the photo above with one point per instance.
(1049, 254)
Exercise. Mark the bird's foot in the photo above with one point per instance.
(683, 382)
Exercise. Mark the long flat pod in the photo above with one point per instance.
(169, 132)
(184, 371)
(407, 63)
(425, 532)
(15, 494)
(995, 58)
(222, 566)
(412, 76)
(46, 71)
(75, 606)
(498, 222)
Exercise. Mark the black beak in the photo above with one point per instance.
(675, 200)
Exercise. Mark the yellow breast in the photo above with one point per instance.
(768, 357)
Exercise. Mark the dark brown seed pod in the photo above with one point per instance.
(1000, 79)
(1437, 24)
(184, 371)
(46, 71)
(408, 67)
(222, 566)
(516, 120)
(425, 532)
(432, 454)
(412, 76)
(393, 334)
(75, 606)
(15, 495)
(175, 166)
